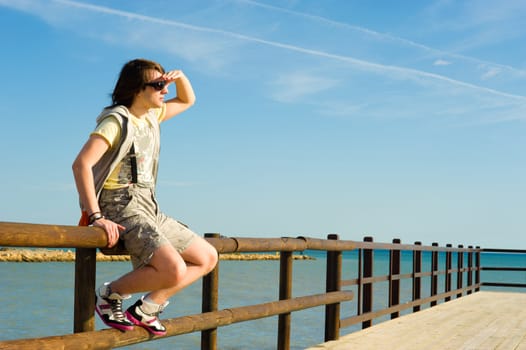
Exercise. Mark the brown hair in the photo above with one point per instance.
(132, 78)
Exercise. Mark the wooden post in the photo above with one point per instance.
(359, 287)
(333, 283)
(285, 292)
(210, 302)
(434, 272)
(447, 287)
(470, 268)
(477, 271)
(368, 265)
(460, 267)
(417, 280)
(394, 278)
(84, 300)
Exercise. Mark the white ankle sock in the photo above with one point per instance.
(105, 291)
(149, 306)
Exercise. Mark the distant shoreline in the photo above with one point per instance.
(52, 255)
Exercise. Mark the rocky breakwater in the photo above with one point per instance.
(48, 255)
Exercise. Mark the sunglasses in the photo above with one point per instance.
(157, 85)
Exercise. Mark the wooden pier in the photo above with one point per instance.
(483, 320)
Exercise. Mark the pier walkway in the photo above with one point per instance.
(483, 320)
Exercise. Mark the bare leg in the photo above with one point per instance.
(200, 258)
(168, 271)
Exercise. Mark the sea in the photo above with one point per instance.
(37, 298)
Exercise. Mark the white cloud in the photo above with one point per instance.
(491, 73)
(293, 86)
(441, 62)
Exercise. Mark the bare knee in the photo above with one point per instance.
(173, 273)
(202, 255)
(170, 266)
(210, 261)
(207, 259)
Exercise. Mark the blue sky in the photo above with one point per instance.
(395, 119)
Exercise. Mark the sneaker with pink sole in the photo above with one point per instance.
(108, 306)
(149, 321)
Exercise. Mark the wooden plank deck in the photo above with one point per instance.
(483, 320)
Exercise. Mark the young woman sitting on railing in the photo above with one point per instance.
(115, 173)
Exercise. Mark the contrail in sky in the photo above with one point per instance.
(381, 35)
(365, 64)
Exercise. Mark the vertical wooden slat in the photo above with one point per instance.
(210, 302)
(285, 292)
(368, 265)
(332, 311)
(460, 267)
(84, 300)
(449, 265)
(417, 281)
(477, 271)
(470, 268)
(394, 281)
(359, 306)
(434, 273)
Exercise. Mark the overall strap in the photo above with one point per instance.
(133, 164)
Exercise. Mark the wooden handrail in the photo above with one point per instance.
(112, 338)
(400, 307)
(14, 234)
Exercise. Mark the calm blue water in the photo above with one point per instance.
(37, 298)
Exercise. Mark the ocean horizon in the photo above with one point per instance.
(38, 297)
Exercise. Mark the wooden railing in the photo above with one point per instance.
(516, 269)
(432, 274)
(88, 239)
(466, 272)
